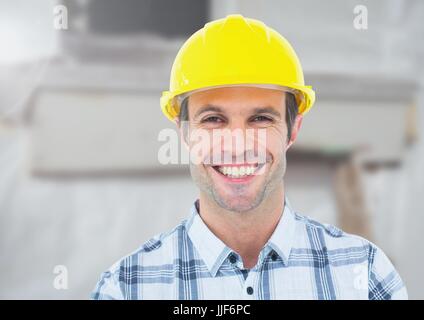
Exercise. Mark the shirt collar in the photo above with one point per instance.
(211, 249)
(282, 238)
(214, 252)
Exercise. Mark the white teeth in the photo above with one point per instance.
(237, 172)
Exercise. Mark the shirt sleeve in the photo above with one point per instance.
(108, 287)
(384, 282)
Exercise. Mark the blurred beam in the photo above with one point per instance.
(353, 212)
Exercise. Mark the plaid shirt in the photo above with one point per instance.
(303, 259)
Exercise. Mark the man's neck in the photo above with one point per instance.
(244, 232)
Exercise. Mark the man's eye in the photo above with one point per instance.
(213, 119)
(261, 119)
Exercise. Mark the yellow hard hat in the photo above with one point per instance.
(235, 51)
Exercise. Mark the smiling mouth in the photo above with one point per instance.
(238, 171)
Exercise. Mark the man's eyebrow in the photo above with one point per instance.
(206, 108)
(259, 110)
(269, 110)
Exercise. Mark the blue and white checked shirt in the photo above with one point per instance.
(303, 259)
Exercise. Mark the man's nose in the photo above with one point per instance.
(242, 140)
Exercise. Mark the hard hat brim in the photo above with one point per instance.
(171, 101)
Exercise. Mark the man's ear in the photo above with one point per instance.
(295, 130)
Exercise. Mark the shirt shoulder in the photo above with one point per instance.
(329, 236)
(342, 248)
(156, 254)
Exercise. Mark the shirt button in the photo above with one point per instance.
(274, 256)
(249, 290)
(232, 258)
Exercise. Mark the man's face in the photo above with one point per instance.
(256, 116)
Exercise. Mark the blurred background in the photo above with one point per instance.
(80, 81)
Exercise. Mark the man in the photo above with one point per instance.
(243, 240)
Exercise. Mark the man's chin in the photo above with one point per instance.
(237, 204)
